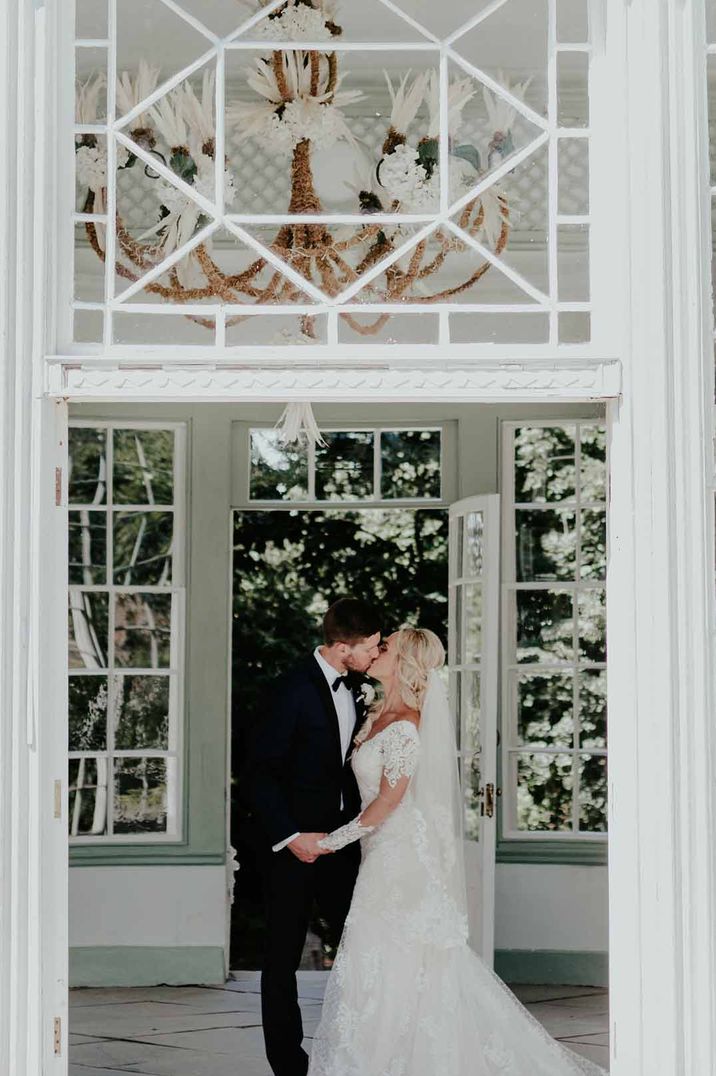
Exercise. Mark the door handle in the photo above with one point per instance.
(487, 807)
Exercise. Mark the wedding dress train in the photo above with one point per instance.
(407, 996)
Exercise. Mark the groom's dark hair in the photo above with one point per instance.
(350, 619)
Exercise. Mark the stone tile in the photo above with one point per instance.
(600, 1054)
(149, 1021)
(152, 1060)
(599, 1038)
(565, 1024)
(530, 992)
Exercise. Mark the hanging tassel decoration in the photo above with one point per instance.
(298, 425)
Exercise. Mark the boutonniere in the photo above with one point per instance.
(367, 693)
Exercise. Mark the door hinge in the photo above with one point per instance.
(58, 486)
(58, 799)
(57, 1036)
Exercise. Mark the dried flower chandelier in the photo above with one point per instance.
(298, 110)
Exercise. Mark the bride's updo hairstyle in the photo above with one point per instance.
(418, 652)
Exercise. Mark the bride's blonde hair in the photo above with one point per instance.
(418, 652)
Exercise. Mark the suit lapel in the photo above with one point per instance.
(328, 705)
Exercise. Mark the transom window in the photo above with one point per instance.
(351, 465)
(355, 173)
(554, 719)
(126, 616)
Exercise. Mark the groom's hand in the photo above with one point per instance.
(305, 847)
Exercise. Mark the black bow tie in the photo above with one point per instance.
(341, 680)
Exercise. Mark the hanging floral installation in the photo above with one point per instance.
(298, 108)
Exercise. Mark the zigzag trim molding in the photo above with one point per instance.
(567, 381)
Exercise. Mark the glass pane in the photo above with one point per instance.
(594, 544)
(141, 712)
(471, 786)
(592, 625)
(88, 630)
(91, 19)
(278, 472)
(142, 630)
(473, 622)
(472, 740)
(87, 787)
(544, 463)
(572, 21)
(410, 463)
(544, 792)
(456, 705)
(593, 708)
(546, 544)
(143, 467)
(573, 89)
(87, 465)
(545, 710)
(140, 795)
(143, 548)
(574, 327)
(344, 467)
(593, 471)
(458, 625)
(573, 157)
(573, 263)
(545, 626)
(474, 524)
(87, 541)
(87, 713)
(593, 793)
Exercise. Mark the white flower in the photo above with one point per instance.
(307, 118)
(87, 98)
(500, 112)
(296, 23)
(91, 165)
(170, 120)
(460, 91)
(494, 215)
(199, 114)
(406, 101)
(132, 90)
(406, 180)
(367, 691)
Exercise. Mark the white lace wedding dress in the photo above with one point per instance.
(407, 996)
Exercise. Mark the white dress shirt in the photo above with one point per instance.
(346, 712)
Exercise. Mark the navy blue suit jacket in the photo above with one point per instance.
(296, 775)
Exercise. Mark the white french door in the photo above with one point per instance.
(474, 574)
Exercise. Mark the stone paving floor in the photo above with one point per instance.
(216, 1031)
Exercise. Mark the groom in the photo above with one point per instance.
(301, 787)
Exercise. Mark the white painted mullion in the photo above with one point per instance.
(161, 91)
(409, 20)
(91, 42)
(504, 169)
(249, 23)
(171, 177)
(508, 271)
(283, 267)
(484, 13)
(332, 218)
(266, 45)
(111, 704)
(219, 130)
(332, 327)
(191, 20)
(111, 227)
(167, 263)
(552, 173)
(497, 88)
(444, 135)
(384, 263)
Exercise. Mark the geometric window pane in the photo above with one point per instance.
(545, 710)
(87, 539)
(87, 629)
(87, 786)
(143, 467)
(410, 463)
(87, 465)
(278, 472)
(141, 712)
(140, 795)
(593, 708)
(474, 542)
(87, 713)
(545, 626)
(142, 630)
(592, 614)
(344, 467)
(594, 543)
(472, 594)
(471, 787)
(544, 792)
(142, 548)
(593, 477)
(593, 793)
(544, 463)
(572, 89)
(546, 544)
(573, 156)
(472, 711)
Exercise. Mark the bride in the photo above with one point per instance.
(407, 996)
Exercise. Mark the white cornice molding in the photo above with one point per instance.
(514, 381)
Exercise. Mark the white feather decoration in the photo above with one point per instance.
(298, 425)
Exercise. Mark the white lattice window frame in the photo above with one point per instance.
(602, 339)
(176, 671)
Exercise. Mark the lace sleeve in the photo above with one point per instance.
(400, 747)
(339, 838)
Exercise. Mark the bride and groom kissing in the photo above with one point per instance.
(359, 801)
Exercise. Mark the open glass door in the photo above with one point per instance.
(472, 657)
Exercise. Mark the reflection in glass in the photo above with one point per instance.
(87, 629)
(592, 617)
(593, 793)
(545, 710)
(278, 472)
(544, 463)
(473, 621)
(143, 548)
(544, 792)
(141, 712)
(456, 705)
(87, 788)
(143, 467)
(472, 741)
(344, 467)
(142, 630)
(593, 476)
(87, 465)
(546, 544)
(474, 524)
(471, 786)
(140, 795)
(87, 539)
(87, 713)
(410, 463)
(545, 626)
(593, 707)
(594, 543)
